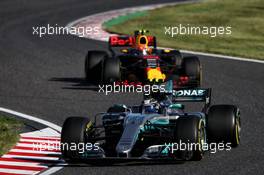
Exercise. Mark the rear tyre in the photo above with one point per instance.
(190, 131)
(174, 59)
(93, 65)
(73, 132)
(224, 124)
(111, 70)
(191, 67)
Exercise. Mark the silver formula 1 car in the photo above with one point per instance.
(156, 129)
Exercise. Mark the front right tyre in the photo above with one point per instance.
(111, 70)
(94, 65)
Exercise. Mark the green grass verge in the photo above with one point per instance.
(124, 18)
(246, 17)
(9, 133)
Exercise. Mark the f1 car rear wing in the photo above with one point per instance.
(191, 95)
(128, 41)
(121, 41)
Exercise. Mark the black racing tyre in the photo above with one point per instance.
(111, 70)
(73, 132)
(191, 67)
(224, 124)
(190, 131)
(174, 58)
(93, 65)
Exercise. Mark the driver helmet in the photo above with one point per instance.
(150, 106)
(142, 42)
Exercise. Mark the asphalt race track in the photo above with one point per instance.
(44, 77)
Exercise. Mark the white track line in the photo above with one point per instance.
(27, 136)
(35, 151)
(223, 56)
(53, 169)
(31, 157)
(37, 165)
(43, 133)
(29, 117)
(38, 146)
(39, 141)
(15, 171)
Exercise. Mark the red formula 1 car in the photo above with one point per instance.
(137, 59)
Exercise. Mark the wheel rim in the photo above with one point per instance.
(238, 129)
(201, 137)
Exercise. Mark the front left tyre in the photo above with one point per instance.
(73, 133)
(224, 124)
